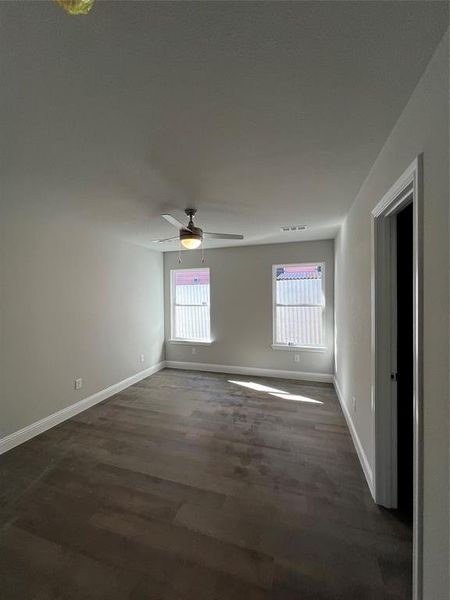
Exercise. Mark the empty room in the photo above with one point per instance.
(224, 300)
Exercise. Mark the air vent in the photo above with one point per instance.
(289, 228)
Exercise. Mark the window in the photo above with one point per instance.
(190, 305)
(298, 305)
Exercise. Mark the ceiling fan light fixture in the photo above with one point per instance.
(191, 243)
(191, 239)
(76, 7)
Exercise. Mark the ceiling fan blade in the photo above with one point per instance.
(175, 222)
(171, 239)
(222, 236)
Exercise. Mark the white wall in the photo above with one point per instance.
(241, 306)
(422, 127)
(75, 302)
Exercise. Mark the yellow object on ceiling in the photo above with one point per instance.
(76, 7)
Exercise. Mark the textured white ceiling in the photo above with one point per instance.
(259, 114)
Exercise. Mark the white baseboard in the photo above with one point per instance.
(255, 371)
(367, 469)
(25, 434)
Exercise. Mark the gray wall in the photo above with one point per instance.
(75, 302)
(78, 297)
(422, 127)
(241, 306)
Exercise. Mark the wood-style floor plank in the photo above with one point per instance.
(187, 486)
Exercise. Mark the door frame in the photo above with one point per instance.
(407, 189)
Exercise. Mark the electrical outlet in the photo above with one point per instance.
(142, 358)
(354, 403)
(296, 357)
(78, 384)
(194, 350)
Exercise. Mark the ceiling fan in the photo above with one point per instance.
(191, 236)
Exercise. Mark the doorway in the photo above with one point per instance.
(397, 355)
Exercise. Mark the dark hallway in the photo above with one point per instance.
(405, 383)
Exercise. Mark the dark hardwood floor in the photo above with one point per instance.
(189, 487)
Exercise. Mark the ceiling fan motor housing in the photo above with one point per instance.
(192, 232)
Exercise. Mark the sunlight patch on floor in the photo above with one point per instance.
(296, 397)
(258, 387)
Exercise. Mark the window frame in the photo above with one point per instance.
(177, 340)
(312, 348)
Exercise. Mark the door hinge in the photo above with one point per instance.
(394, 376)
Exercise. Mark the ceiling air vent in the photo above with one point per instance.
(289, 228)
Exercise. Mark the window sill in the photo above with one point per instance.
(192, 342)
(299, 348)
